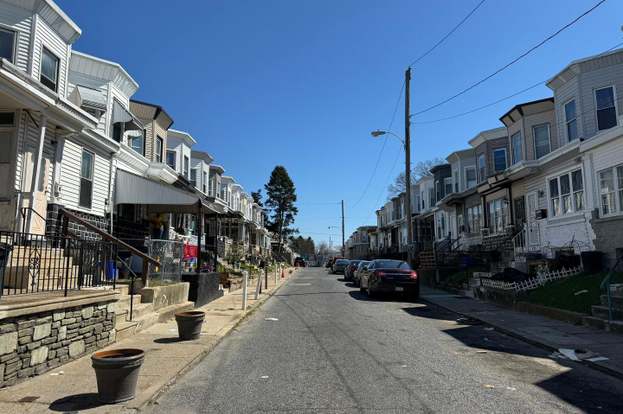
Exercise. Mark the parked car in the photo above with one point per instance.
(363, 265)
(350, 269)
(299, 262)
(390, 276)
(339, 265)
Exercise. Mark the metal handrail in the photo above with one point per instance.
(605, 284)
(23, 214)
(109, 237)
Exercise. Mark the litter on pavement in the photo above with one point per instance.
(577, 355)
(271, 319)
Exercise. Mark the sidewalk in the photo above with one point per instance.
(72, 387)
(537, 330)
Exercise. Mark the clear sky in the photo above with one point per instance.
(302, 83)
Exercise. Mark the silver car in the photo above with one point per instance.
(339, 266)
(362, 267)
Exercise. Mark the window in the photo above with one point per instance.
(498, 215)
(204, 182)
(473, 218)
(186, 166)
(49, 69)
(607, 192)
(137, 143)
(193, 177)
(447, 186)
(516, 147)
(7, 119)
(606, 110)
(571, 121)
(171, 158)
(482, 168)
(455, 178)
(499, 159)
(86, 179)
(541, 140)
(566, 193)
(470, 177)
(7, 44)
(423, 198)
(159, 148)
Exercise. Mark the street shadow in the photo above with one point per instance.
(167, 340)
(342, 279)
(381, 297)
(76, 402)
(350, 284)
(579, 386)
(309, 293)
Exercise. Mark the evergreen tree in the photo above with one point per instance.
(280, 199)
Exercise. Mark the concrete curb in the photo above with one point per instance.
(204, 353)
(540, 344)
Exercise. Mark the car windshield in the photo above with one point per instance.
(391, 264)
(342, 262)
(362, 265)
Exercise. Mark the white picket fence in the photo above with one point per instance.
(541, 278)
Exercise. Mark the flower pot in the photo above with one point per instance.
(189, 324)
(117, 373)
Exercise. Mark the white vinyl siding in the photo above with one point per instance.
(46, 37)
(20, 21)
(70, 179)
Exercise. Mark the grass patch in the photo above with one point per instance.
(560, 294)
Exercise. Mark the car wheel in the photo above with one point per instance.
(415, 293)
(371, 293)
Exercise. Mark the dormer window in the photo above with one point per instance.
(499, 159)
(7, 44)
(516, 147)
(171, 155)
(606, 110)
(49, 69)
(571, 121)
(542, 145)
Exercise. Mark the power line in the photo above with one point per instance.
(378, 159)
(512, 62)
(447, 118)
(447, 34)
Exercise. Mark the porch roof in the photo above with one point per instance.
(158, 197)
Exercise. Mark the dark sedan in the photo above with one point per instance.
(349, 272)
(339, 266)
(390, 276)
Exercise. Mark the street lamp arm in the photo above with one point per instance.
(380, 132)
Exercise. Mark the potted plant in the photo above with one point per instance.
(116, 372)
(189, 324)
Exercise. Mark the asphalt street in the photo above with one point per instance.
(319, 345)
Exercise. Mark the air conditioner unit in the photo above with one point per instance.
(58, 189)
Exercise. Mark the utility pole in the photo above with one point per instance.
(408, 166)
(343, 246)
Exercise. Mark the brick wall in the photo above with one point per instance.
(54, 223)
(33, 344)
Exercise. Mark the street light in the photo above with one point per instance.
(378, 133)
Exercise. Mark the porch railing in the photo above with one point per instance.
(32, 263)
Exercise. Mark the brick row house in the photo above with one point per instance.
(545, 184)
(92, 175)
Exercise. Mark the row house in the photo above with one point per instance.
(359, 245)
(549, 181)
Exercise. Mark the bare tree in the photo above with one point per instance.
(420, 169)
(322, 249)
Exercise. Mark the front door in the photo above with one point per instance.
(519, 210)
(7, 183)
(39, 204)
(532, 225)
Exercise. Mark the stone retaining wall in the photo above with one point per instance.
(35, 343)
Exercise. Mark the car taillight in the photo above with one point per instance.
(379, 274)
(413, 275)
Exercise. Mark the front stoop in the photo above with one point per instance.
(144, 314)
(601, 315)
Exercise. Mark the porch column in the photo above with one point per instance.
(199, 235)
(37, 173)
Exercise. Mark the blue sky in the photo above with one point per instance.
(302, 83)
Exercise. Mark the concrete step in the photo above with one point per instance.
(126, 329)
(616, 300)
(166, 313)
(602, 312)
(595, 322)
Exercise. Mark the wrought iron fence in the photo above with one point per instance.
(31, 263)
(170, 254)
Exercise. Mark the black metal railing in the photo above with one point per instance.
(32, 263)
(26, 213)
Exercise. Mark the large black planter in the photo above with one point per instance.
(189, 324)
(117, 373)
(203, 288)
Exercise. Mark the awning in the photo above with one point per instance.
(122, 115)
(157, 197)
(91, 98)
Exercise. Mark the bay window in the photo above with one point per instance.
(609, 183)
(171, 161)
(516, 147)
(566, 193)
(482, 168)
(86, 179)
(159, 149)
(499, 159)
(498, 215)
(473, 218)
(49, 69)
(571, 121)
(7, 44)
(606, 109)
(470, 177)
(542, 144)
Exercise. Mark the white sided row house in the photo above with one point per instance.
(549, 180)
(74, 138)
